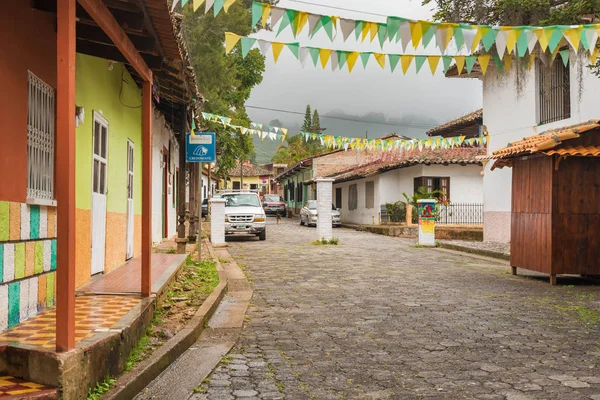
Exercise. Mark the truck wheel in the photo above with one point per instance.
(262, 235)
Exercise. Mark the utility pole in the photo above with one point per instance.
(366, 134)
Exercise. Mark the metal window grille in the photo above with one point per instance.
(460, 214)
(554, 92)
(40, 139)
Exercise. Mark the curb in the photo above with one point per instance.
(133, 382)
(479, 252)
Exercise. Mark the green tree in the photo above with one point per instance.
(307, 124)
(316, 123)
(225, 80)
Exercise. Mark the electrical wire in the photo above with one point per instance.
(338, 8)
(406, 124)
(121, 89)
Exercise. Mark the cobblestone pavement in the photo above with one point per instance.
(376, 318)
(500, 248)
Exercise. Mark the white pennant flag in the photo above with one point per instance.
(272, 136)
(469, 36)
(591, 35)
(501, 43)
(303, 56)
(276, 14)
(440, 38)
(313, 19)
(334, 60)
(346, 146)
(208, 5)
(347, 26)
(264, 46)
(405, 34)
(531, 40)
(174, 4)
(276, 129)
(263, 135)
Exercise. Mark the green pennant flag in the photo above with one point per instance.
(183, 3)
(365, 58)
(564, 54)
(459, 37)
(555, 39)
(328, 26)
(342, 57)
(470, 62)
(428, 32)
(318, 26)
(381, 34)
(288, 17)
(256, 12)
(247, 44)
(393, 27)
(522, 44)
(447, 60)
(489, 39)
(584, 39)
(358, 29)
(314, 54)
(420, 60)
(295, 49)
(217, 7)
(498, 62)
(394, 59)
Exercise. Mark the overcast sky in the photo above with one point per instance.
(288, 86)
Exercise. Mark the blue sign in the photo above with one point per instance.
(201, 147)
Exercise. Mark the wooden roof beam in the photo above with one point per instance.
(93, 33)
(112, 53)
(105, 20)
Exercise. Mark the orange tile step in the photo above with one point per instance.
(16, 388)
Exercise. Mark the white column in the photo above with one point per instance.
(324, 201)
(217, 220)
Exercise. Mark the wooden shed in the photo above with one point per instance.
(555, 227)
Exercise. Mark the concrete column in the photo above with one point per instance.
(217, 220)
(324, 201)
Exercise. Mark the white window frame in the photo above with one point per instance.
(98, 118)
(41, 116)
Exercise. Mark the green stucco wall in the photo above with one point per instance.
(117, 97)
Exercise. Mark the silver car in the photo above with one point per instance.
(309, 214)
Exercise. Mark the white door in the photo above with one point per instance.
(99, 172)
(129, 252)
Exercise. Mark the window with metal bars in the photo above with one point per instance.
(554, 92)
(434, 183)
(40, 139)
(369, 194)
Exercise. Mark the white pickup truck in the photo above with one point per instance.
(244, 214)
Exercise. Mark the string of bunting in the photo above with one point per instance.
(342, 142)
(216, 5)
(518, 39)
(337, 59)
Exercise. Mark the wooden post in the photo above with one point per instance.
(193, 191)
(65, 171)
(513, 270)
(553, 279)
(409, 213)
(146, 188)
(181, 239)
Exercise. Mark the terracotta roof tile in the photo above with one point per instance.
(249, 170)
(465, 120)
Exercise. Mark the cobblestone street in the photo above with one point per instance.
(376, 318)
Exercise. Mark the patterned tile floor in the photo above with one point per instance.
(15, 388)
(91, 313)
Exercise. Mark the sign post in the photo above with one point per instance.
(427, 222)
(200, 148)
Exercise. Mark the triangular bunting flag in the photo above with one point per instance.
(288, 17)
(481, 32)
(543, 38)
(458, 37)
(573, 36)
(406, 60)
(256, 12)
(419, 61)
(302, 20)
(460, 63)
(374, 29)
(433, 63)
(352, 58)
(264, 46)
(405, 34)
(247, 44)
(328, 26)
(507, 62)
(227, 4)
(294, 48)
(277, 48)
(303, 56)
(365, 58)
(532, 40)
(555, 39)
(428, 32)
(342, 57)
(380, 59)
(208, 5)
(511, 39)
(564, 54)
(313, 20)
(394, 59)
(347, 26)
(218, 7)
(314, 53)
(470, 62)
(501, 39)
(447, 60)
(484, 61)
(489, 39)
(196, 4)
(416, 30)
(498, 63)
(469, 37)
(276, 14)
(523, 43)
(266, 11)
(231, 40)
(334, 60)
(324, 55)
(382, 34)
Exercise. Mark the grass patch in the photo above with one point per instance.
(418, 246)
(325, 242)
(101, 388)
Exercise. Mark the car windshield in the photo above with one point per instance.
(241, 199)
(273, 198)
(312, 205)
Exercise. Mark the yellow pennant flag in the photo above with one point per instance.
(266, 11)
(594, 56)
(277, 47)
(507, 62)
(373, 30)
(231, 40)
(547, 35)
(433, 63)
(380, 59)
(197, 4)
(484, 61)
(366, 28)
(481, 32)
(542, 39)
(324, 55)
(227, 4)
(511, 38)
(460, 63)
(334, 19)
(405, 61)
(573, 36)
(302, 20)
(530, 61)
(351, 60)
(416, 31)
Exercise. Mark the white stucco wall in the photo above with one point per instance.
(509, 117)
(160, 140)
(466, 186)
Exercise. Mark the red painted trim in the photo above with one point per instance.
(65, 169)
(166, 192)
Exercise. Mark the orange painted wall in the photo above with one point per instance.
(27, 42)
(83, 252)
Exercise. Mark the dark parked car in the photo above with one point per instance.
(204, 208)
(273, 204)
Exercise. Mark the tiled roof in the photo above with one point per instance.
(458, 155)
(249, 170)
(466, 120)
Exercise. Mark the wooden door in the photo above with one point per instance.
(99, 179)
(130, 208)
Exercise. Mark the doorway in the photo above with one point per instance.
(99, 179)
(130, 210)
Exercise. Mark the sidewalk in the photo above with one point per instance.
(489, 249)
